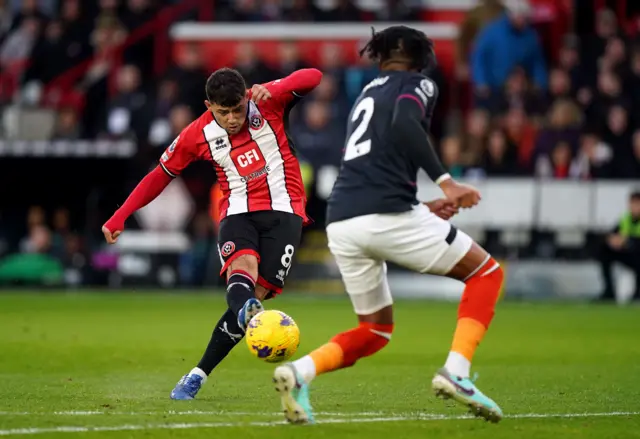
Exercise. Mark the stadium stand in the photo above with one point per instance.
(91, 92)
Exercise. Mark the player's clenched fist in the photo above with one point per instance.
(260, 93)
(442, 208)
(462, 195)
(111, 232)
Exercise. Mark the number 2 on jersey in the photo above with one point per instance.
(355, 147)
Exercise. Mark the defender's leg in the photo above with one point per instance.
(483, 277)
(366, 283)
(427, 244)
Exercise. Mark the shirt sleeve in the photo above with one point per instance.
(295, 86)
(423, 92)
(411, 117)
(179, 154)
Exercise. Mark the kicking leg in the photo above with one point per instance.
(224, 338)
(483, 277)
(226, 335)
(241, 289)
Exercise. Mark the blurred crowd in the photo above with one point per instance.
(571, 118)
(566, 113)
(576, 118)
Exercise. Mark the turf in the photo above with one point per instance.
(102, 365)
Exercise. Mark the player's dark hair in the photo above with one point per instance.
(225, 87)
(401, 41)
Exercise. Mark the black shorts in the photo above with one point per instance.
(271, 236)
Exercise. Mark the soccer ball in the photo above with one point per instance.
(273, 336)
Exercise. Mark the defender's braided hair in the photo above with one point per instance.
(398, 42)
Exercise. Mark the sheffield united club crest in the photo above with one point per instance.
(256, 122)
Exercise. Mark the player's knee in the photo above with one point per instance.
(490, 272)
(482, 292)
(363, 341)
(245, 263)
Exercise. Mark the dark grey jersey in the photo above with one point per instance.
(378, 173)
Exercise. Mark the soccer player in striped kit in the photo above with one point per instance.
(243, 134)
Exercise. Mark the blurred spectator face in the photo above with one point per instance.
(35, 216)
(31, 26)
(180, 117)
(635, 63)
(606, 23)
(73, 244)
(29, 6)
(272, 9)
(168, 90)
(128, 79)
(515, 120)
(331, 57)
(67, 121)
(108, 5)
(519, 12)
(608, 84)
(616, 50)
(70, 10)
(245, 54)
(562, 114)
(289, 53)
(478, 123)
(107, 33)
(451, 150)
(317, 115)
(634, 207)
(40, 238)
(559, 83)
(246, 6)
(61, 220)
(568, 57)
(561, 154)
(497, 145)
(137, 5)
(588, 145)
(519, 21)
(54, 31)
(617, 120)
(327, 89)
(517, 82)
(300, 4)
(190, 58)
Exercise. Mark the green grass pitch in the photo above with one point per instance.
(103, 365)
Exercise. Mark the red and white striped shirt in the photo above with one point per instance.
(257, 167)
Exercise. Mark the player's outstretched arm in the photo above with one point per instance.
(145, 192)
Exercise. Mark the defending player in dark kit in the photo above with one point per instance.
(374, 216)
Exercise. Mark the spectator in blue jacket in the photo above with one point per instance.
(505, 44)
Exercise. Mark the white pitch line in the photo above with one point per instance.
(72, 413)
(185, 426)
